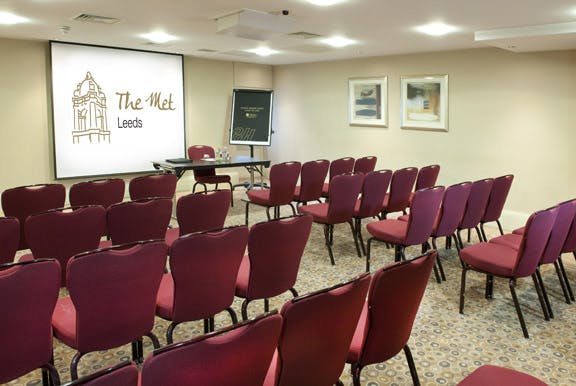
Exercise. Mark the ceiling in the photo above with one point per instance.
(379, 27)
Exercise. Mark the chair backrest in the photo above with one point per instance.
(199, 212)
(204, 267)
(341, 166)
(317, 332)
(275, 249)
(312, 178)
(365, 164)
(63, 233)
(423, 213)
(390, 316)
(570, 242)
(400, 189)
(236, 356)
(122, 374)
(536, 235)
(497, 198)
(374, 190)
(139, 220)
(23, 201)
(564, 218)
(452, 209)
(114, 293)
(28, 294)
(9, 238)
(153, 185)
(197, 152)
(103, 192)
(283, 179)
(476, 204)
(427, 177)
(343, 191)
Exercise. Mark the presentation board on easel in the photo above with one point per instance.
(251, 122)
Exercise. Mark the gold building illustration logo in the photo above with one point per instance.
(90, 119)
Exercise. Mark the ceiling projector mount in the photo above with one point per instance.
(254, 25)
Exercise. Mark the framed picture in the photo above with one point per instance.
(367, 101)
(424, 103)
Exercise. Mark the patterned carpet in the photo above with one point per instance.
(446, 346)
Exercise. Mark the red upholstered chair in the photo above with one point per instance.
(153, 185)
(365, 164)
(63, 233)
(207, 176)
(569, 247)
(235, 356)
(270, 268)
(23, 201)
(339, 166)
(198, 212)
(344, 191)
(427, 177)
(502, 261)
(312, 178)
(369, 204)
(475, 208)
(386, 321)
(112, 299)
(28, 293)
(104, 192)
(415, 231)
(139, 220)
(489, 375)
(9, 238)
(283, 179)
(400, 190)
(316, 334)
(496, 201)
(122, 374)
(204, 267)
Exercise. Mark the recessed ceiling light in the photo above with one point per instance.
(263, 51)
(436, 29)
(7, 18)
(338, 41)
(324, 3)
(158, 37)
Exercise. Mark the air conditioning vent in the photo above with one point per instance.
(87, 18)
(206, 50)
(304, 35)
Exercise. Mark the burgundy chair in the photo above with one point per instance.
(112, 299)
(28, 293)
(496, 201)
(208, 176)
(386, 321)
(475, 208)
(415, 231)
(235, 356)
(427, 177)
(9, 238)
(316, 335)
(152, 185)
(502, 261)
(122, 374)
(198, 212)
(365, 164)
(283, 179)
(344, 191)
(104, 192)
(488, 375)
(337, 167)
(271, 266)
(568, 247)
(63, 233)
(204, 267)
(400, 190)
(312, 178)
(369, 204)
(25, 200)
(139, 220)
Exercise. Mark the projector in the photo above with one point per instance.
(254, 25)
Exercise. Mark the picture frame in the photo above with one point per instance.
(368, 101)
(424, 102)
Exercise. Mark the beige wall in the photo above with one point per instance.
(509, 113)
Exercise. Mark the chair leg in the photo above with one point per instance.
(462, 287)
(328, 237)
(438, 260)
(50, 376)
(489, 286)
(355, 238)
(170, 333)
(233, 316)
(368, 245)
(358, 226)
(339, 383)
(483, 233)
(266, 305)
(355, 370)
(268, 213)
(206, 325)
(448, 242)
(512, 284)
(74, 365)
(294, 293)
(211, 322)
(479, 234)
(244, 309)
(500, 227)
(154, 339)
(568, 286)
(231, 195)
(412, 366)
(468, 239)
(456, 242)
(542, 295)
(562, 283)
(459, 239)
(293, 209)
(246, 214)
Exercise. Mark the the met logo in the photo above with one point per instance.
(90, 119)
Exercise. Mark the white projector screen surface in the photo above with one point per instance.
(115, 110)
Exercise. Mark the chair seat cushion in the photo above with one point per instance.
(518, 231)
(359, 337)
(510, 240)
(243, 277)
(26, 257)
(319, 212)
(390, 231)
(217, 179)
(273, 370)
(404, 217)
(497, 259)
(105, 244)
(165, 297)
(171, 235)
(499, 376)
(261, 196)
(296, 196)
(325, 189)
(64, 322)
